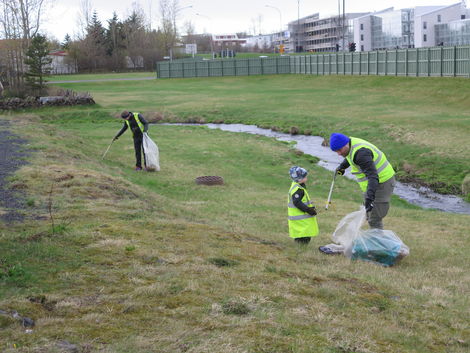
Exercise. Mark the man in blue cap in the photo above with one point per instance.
(373, 172)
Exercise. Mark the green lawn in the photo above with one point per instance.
(151, 262)
(422, 124)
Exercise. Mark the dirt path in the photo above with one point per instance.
(11, 159)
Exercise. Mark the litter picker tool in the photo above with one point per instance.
(104, 154)
(331, 190)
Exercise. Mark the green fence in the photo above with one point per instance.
(436, 62)
(225, 67)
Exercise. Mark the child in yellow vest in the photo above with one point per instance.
(301, 211)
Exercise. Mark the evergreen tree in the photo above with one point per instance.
(114, 35)
(65, 45)
(135, 36)
(38, 62)
(95, 44)
(115, 46)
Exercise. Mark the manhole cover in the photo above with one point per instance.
(210, 180)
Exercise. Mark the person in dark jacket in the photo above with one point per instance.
(373, 172)
(138, 125)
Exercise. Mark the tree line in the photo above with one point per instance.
(116, 45)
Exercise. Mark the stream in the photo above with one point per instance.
(312, 145)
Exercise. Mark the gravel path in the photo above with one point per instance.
(11, 153)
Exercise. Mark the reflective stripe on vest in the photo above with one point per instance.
(301, 224)
(139, 124)
(384, 168)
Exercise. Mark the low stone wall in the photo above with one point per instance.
(36, 102)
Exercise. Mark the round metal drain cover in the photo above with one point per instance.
(209, 180)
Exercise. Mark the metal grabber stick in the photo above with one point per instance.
(331, 190)
(104, 154)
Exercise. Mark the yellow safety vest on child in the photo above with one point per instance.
(301, 224)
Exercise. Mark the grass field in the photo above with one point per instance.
(152, 262)
(422, 124)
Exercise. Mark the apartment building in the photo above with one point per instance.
(315, 34)
(421, 26)
(454, 32)
(223, 41)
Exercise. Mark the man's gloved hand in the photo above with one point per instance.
(312, 211)
(369, 205)
(340, 171)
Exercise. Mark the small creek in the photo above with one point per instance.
(420, 196)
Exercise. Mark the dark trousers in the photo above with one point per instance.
(381, 204)
(138, 150)
(303, 240)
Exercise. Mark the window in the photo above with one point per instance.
(425, 38)
(362, 26)
(362, 48)
(438, 18)
(462, 17)
(362, 37)
(425, 25)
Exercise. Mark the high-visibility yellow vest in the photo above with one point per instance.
(136, 117)
(301, 224)
(383, 166)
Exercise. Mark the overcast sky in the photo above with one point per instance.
(218, 16)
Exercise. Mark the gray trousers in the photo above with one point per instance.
(381, 204)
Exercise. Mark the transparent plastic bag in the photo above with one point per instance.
(379, 246)
(152, 157)
(376, 245)
(348, 229)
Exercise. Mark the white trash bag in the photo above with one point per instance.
(376, 245)
(152, 156)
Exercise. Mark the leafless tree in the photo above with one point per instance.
(27, 15)
(168, 12)
(190, 31)
(20, 20)
(84, 17)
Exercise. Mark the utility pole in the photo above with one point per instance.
(280, 23)
(344, 20)
(298, 26)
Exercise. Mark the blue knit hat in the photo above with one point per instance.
(338, 141)
(297, 173)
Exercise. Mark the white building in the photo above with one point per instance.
(262, 41)
(406, 28)
(223, 41)
(425, 22)
(62, 63)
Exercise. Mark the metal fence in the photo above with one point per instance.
(436, 62)
(224, 67)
